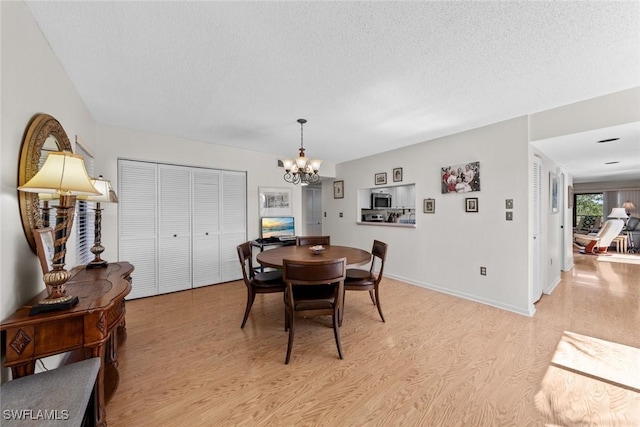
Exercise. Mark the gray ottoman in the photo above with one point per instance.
(57, 397)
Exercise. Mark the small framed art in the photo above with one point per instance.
(471, 204)
(397, 174)
(45, 247)
(381, 178)
(338, 189)
(429, 206)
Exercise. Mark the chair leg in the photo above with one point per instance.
(373, 299)
(341, 310)
(336, 332)
(251, 296)
(292, 327)
(378, 304)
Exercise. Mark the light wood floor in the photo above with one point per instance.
(437, 361)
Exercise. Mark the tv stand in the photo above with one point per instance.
(263, 243)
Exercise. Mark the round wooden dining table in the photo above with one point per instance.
(274, 257)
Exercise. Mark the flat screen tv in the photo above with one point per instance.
(277, 226)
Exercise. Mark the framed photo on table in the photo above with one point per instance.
(45, 247)
(275, 201)
(338, 189)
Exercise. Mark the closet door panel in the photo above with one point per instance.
(174, 217)
(137, 224)
(206, 227)
(234, 222)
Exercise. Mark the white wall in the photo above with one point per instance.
(446, 249)
(33, 81)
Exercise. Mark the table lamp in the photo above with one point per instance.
(629, 207)
(107, 196)
(46, 198)
(63, 174)
(618, 213)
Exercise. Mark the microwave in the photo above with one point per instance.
(380, 200)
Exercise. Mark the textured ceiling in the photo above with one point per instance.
(368, 76)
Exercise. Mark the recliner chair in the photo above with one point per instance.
(600, 242)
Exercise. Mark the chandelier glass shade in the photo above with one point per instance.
(301, 170)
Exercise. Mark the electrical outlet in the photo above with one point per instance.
(509, 216)
(509, 203)
(483, 271)
(341, 215)
(325, 214)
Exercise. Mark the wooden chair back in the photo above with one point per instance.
(313, 240)
(246, 261)
(314, 289)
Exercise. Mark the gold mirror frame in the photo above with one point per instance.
(40, 128)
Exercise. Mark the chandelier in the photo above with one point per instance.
(301, 170)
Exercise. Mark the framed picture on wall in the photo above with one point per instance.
(553, 192)
(570, 197)
(338, 189)
(275, 201)
(429, 206)
(381, 178)
(462, 178)
(397, 175)
(471, 204)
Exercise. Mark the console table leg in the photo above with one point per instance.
(100, 412)
(23, 370)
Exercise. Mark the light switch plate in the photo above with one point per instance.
(509, 203)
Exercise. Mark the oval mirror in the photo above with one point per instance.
(44, 134)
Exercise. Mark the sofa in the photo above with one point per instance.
(633, 228)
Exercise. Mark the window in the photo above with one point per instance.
(84, 217)
(588, 205)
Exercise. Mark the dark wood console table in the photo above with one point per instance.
(90, 326)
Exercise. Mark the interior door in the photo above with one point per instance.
(313, 211)
(137, 224)
(174, 217)
(536, 292)
(206, 227)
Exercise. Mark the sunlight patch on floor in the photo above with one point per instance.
(591, 382)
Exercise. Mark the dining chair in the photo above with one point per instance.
(266, 282)
(313, 289)
(313, 240)
(369, 280)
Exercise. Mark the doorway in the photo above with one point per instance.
(312, 212)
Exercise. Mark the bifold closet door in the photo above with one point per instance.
(174, 237)
(234, 222)
(137, 224)
(206, 227)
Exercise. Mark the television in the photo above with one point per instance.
(277, 226)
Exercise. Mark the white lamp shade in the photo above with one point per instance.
(618, 213)
(104, 187)
(628, 205)
(301, 162)
(63, 173)
(287, 163)
(315, 164)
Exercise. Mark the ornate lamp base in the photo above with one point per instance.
(45, 305)
(98, 264)
(58, 299)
